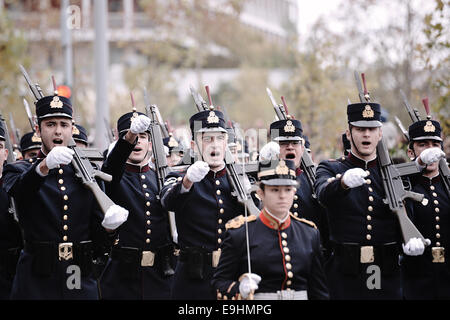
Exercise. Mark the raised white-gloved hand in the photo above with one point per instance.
(197, 171)
(59, 155)
(270, 151)
(114, 217)
(431, 155)
(166, 151)
(353, 178)
(415, 246)
(140, 124)
(248, 283)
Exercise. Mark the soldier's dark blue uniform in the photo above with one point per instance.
(428, 276)
(364, 233)
(201, 214)
(58, 215)
(146, 233)
(286, 255)
(10, 239)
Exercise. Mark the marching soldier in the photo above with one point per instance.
(285, 251)
(10, 234)
(427, 276)
(288, 143)
(202, 201)
(30, 144)
(365, 234)
(140, 264)
(60, 218)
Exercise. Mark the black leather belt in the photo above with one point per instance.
(63, 250)
(200, 256)
(352, 256)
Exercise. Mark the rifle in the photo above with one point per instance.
(307, 165)
(29, 114)
(415, 116)
(81, 163)
(236, 180)
(15, 130)
(392, 179)
(159, 156)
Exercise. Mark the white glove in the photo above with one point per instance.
(248, 283)
(166, 151)
(431, 155)
(353, 178)
(114, 217)
(197, 171)
(415, 246)
(59, 155)
(140, 124)
(270, 151)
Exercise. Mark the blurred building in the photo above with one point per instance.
(128, 24)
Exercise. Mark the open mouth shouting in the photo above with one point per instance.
(290, 155)
(57, 141)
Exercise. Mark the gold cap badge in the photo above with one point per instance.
(429, 127)
(289, 127)
(368, 112)
(282, 168)
(75, 130)
(212, 118)
(56, 103)
(172, 142)
(35, 138)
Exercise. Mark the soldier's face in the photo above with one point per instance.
(419, 147)
(3, 154)
(54, 132)
(139, 155)
(365, 140)
(277, 199)
(173, 159)
(30, 154)
(292, 150)
(212, 147)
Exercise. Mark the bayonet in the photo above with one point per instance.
(35, 89)
(29, 114)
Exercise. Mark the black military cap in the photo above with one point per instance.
(209, 120)
(286, 130)
(2, 132)
(79, 133)
(366, 114)
(124, 122)
(53, 106)
(425, 129)
(277, 173)
(30, 141)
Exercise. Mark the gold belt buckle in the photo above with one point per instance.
(215, 258)
(367, 255)
(438, 254)
(65, 251)
(148, 259)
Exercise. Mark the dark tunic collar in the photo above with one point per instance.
(136, 168)
(360, 162)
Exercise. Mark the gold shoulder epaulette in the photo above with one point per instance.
(239, 221)
(308, 222)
